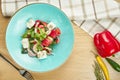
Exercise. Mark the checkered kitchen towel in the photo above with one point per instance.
(91, 15)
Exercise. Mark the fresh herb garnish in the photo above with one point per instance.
(98, 71)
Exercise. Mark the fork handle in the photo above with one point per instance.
(9, 62)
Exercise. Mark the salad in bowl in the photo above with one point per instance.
(39, 38)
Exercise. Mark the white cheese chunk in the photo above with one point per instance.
(25, 43)
(30, 23)
(51, 26)
(42, 54)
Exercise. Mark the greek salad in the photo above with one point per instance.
(39, 38)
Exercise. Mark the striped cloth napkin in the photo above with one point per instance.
(91, 15)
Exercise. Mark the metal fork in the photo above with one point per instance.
(22, 72)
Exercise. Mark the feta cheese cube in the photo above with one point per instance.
(30, 23)
(42, 54)
(25, 43)
(51, 26)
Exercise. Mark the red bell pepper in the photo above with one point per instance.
(106, 44)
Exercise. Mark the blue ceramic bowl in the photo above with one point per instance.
(47, 13)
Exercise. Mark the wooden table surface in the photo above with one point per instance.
(77, 67)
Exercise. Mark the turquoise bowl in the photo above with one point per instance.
(17, 27)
